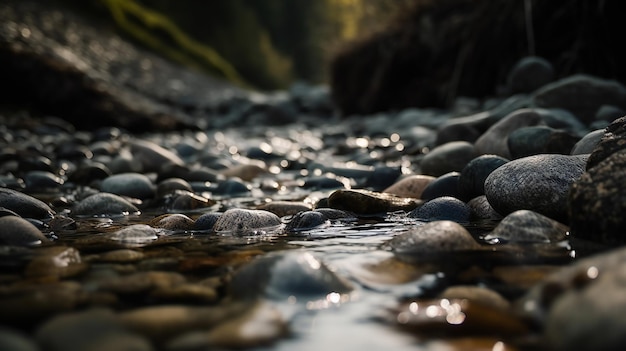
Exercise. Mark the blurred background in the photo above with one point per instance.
(265, 44)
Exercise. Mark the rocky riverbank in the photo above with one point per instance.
(272, 223)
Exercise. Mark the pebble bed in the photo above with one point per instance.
(278, 225)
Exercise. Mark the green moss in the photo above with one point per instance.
(144, 24)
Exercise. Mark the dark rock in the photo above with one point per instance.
(432, 239)
(169, 185)
(285, 208)
(525, 226)
(609, 113)
(445, 185)
(582, 95)
(588, 143)
(614, 139)
(20, 232)
(88, 173)
(495, 139)
(96, 329)
(323, 183)
(287, 275)
(450, 157)
(381, 177)
(105, 205)
(529, 141)
(472, 177)
(174, 222)
(232, 187)
(529, 74)
(182, 200)
(539, 183)
(134, 185)
(480, 208)
(442, 208)
(244, 221)
(597, 202)
(306, 220)
(411, 186)
(207, 221)
(153, 157)
(369, 202)
(42, 181)
(457, 132)
(24, 205)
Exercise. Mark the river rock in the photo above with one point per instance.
(449, 157)
(285, 208)
(524, 226)
(442, 208)
(597, 202)
(20, 232)
(135, 235)
(495, 139)
(42, 181)
(244, 220)
(432, 239)
(480, 208)
(581, 306)
(588, 143)
(95, 329)
(614, 139)
(15, 341)
(169, 185)
(410, 186)
(445, 185)
(105, 205)
(539, 183)
(135, 185)
(153, 157)
(287, 275)
(306, 220)
(24, 205)
(529, 141)
(529, 74)
(473, 175)
(582, 95)
(174, 222)
(206, 221)
(369, 202)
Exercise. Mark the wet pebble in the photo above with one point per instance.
(153, 157)
(261, 325)
(24, 205)
(480, 208)
(588, 143)
(170, 185)
(410, 186)
(449, 157)
(369, 202)
(88, 173)
(174, 222)
(120, 256)
(472, 177)
(445, 185)
(246, 221)
(182, 200)
(306, 220)
(56, 262)
(141, 283)
(528, 141)
(20, 232)
(442, 208)
(285, 208)
(495, 139)
(129, 184)
(539, 183)
(135, 235)
(294, 275)
(104, 205)
(431, 240)
(232, 187)
(524, 226)
(42, 181)
(163, 322)
(582, 95)
(94, 329)
(206, 221)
